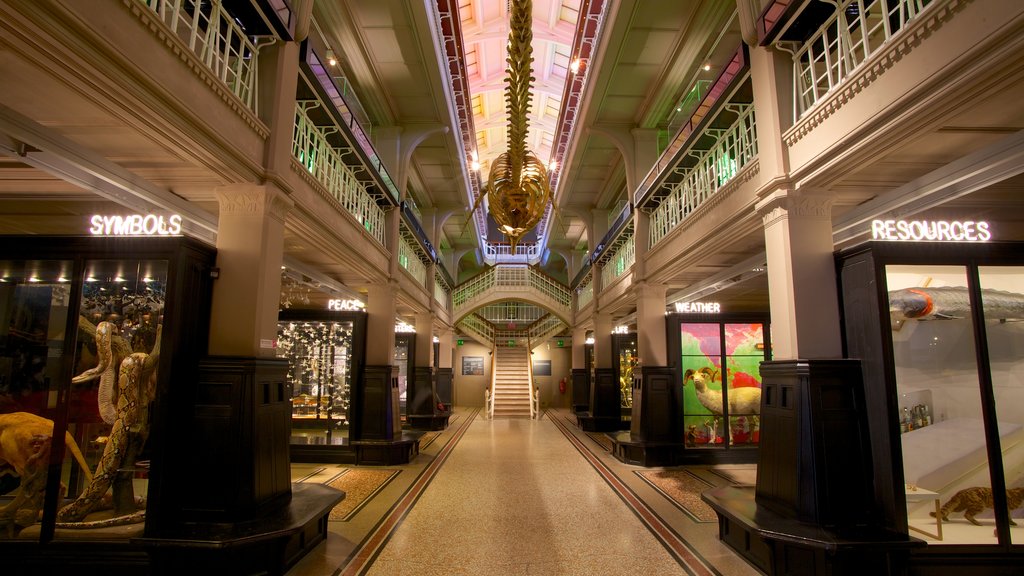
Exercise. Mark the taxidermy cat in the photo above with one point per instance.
(972, 501)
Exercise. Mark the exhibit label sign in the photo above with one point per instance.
(698, 307)
(344, 305)
(135, 225)
(931, 230)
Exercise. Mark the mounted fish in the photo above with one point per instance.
(948, 302)
(518, 183)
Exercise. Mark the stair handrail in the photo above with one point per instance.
(489, 391)
(534, 398)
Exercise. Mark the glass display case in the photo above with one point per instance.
(624, 361)
(87, 348)
(719, 371)
(404, 355)
(948, 343)
(325, 350)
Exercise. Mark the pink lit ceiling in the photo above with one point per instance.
(485, 35)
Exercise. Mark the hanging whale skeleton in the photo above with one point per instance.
(518, 185)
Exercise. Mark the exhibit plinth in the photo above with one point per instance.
(605, 414)
(810, 513)
(238, 440)
(580, 390)
(422, 412)
(376, 430)
(268, 543)
(655, 433)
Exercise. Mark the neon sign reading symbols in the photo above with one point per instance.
(135, 225)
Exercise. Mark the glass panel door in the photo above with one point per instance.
(745, 350)
(1002, 296)
(34, 308)
(703, 404)
(945, 464)
(113, 385)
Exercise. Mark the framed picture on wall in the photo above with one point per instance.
(542, 367)
(472, 365)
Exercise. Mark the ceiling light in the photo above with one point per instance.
(331, 58)
(707, 67)
(553, 165)
(574, 67)
(474, 165)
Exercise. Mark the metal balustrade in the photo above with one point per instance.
(585, 292)
(844, 42)
(736, 146)
(410, 260)
(311, 148)
(441, 292)
(478, 328)
(513, 278)
(216, 39)
(511, 312)
(620, 262)
(496, 253)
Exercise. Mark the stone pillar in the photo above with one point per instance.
(602, 340)
(605, 414)
(247, 292)
(801, 276)
(771, 81)
(380, 323)
(421, 406)
(641, 244)
(278, 63)
(445, 375)
(375, 412)
(645, 155)
(580, 371)
(650, 324)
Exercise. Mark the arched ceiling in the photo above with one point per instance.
(485, 27)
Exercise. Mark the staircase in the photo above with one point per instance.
(512, 382)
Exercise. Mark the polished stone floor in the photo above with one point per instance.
(518, 496)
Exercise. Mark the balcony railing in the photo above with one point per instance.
(620, 262)
(584, 293)
(216, 39)
(735, 148)
(311, 148)
(408, 259)
(441, 292)
(496, 253)
(845, 41)
(516, 278)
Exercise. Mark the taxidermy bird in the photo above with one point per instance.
(518, 183)
(745, 400)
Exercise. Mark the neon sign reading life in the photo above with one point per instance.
(922, 230)
(705, 307)
(135, 225)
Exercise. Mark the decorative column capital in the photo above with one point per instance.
(782, 204)
(253, 200)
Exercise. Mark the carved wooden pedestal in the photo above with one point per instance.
(376, 430)
(422, 412)
(580, 390)
(811, 512)
(605, 414)
(655, 434)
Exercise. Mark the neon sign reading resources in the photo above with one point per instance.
(135, 225)
(931, 230)
(704, 307)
